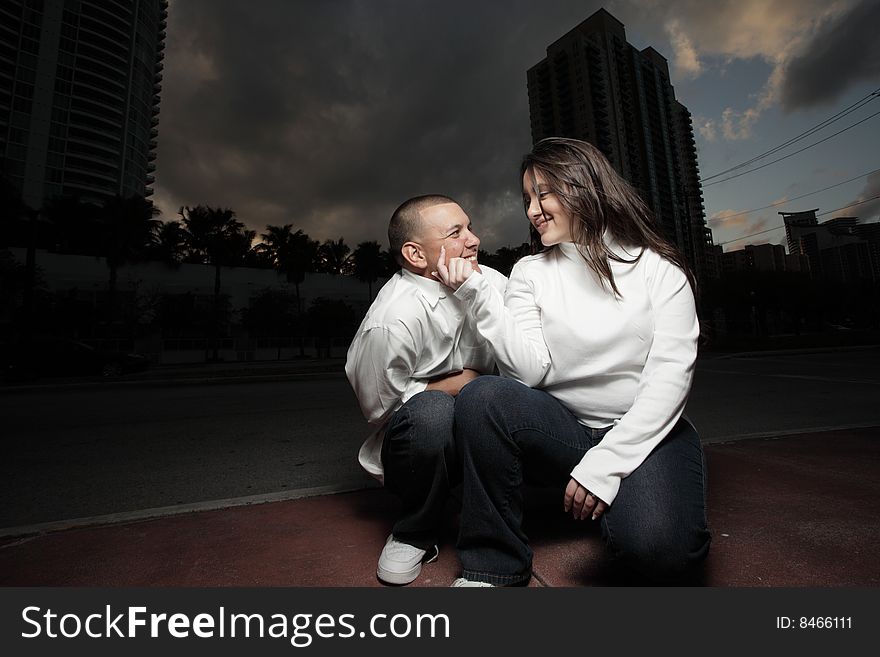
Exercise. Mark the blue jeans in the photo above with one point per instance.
(421, 465)
(510, 435)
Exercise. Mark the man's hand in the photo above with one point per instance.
(453, 383)
(581, 502)
(456, 272)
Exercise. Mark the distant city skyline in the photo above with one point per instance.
(327, 117)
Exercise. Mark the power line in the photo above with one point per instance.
(769, 230)
(857, 105)
(851, 205)
(832, 119)
(785, 157)
(795, 198)
(821, 214)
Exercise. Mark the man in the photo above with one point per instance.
(411, 355)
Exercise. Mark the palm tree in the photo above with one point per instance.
(15, 216)
(127, 235)
(272, 314)
(275, 242)
(334, 257)
(75, 225)
(368, 263)
(214, 236)
(292, 253)
(302, 259)
(19, 226)
(506, 257)
(170, 243)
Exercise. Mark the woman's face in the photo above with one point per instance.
(554, 223)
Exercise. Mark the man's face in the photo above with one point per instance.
(446, 225)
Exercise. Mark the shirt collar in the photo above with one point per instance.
(432, 291)
(571, 251)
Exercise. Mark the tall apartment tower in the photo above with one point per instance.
(840, 249)
(595, 86)
(79, 96)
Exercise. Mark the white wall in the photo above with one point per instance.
(88, 273)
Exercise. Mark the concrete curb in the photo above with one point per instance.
(784, 433)
(185, 381)
(40, 529)
(25, 533)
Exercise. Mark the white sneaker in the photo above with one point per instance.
(401, 563)
(463, 582)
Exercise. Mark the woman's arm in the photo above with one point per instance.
(511, 324)
(663, 386)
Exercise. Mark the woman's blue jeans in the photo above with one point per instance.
(510, 434)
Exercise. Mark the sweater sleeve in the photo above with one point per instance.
(663, 386)
(511, 324)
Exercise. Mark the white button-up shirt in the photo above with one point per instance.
(414, 331)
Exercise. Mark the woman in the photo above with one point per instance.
(596, 339)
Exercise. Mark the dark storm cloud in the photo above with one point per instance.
(843, 53)
(866, 205)
(327, 115)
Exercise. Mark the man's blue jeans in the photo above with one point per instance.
(421, 465)
(510, 434)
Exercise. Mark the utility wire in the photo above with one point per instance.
(785, 157)
(795, 198)
(822, 214)
(832, 119)
(769, 230)
(851, 205)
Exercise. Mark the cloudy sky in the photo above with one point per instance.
(326, 115)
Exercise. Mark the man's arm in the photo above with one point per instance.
(453, 383)
(380, 371)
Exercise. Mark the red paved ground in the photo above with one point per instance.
(794, 511)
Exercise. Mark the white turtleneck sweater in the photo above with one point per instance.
(626, 362)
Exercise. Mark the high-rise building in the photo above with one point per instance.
(79, 96)
(595, 86)
(840, 249)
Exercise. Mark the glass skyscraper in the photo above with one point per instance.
(80, 82)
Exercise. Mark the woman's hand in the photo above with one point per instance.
(456, 272)
(581, 502)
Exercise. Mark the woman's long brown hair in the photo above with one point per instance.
(598, 199)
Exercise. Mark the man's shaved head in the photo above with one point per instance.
(406, 222)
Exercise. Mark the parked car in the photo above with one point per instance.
(49, 356)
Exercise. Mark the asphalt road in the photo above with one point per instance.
(81, 452)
